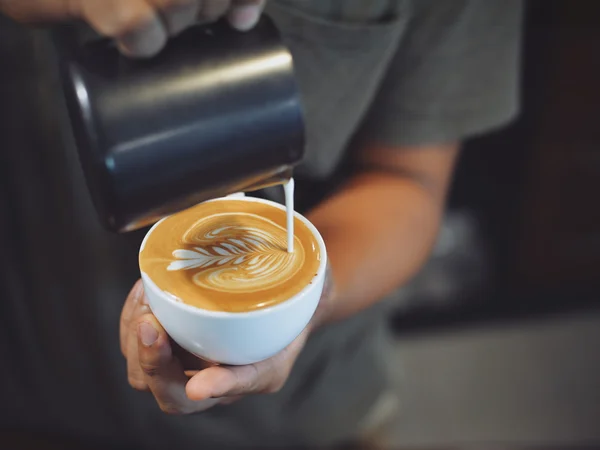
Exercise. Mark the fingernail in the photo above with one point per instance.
(148, 334)
(244, 17)
(145, 41)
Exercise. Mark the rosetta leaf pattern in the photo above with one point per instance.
(253, 250)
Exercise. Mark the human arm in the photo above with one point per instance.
(378, 228)
(140, 27)
(454, 76)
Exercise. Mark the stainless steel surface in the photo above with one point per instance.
(216, 112)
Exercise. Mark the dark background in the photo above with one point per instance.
(522, 235)
(532, 188)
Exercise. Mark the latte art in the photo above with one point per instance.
(230, 257)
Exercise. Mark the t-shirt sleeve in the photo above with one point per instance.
(454, 75)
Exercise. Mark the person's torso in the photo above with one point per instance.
(64, 279)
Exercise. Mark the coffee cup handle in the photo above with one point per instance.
(237, 195)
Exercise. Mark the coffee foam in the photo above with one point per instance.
(237, 253)
(230, 255)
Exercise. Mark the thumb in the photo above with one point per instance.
(163, 371)
(245, 14)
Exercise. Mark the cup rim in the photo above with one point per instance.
(254, 313)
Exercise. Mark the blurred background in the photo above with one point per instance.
(498, 338)
(524, 202)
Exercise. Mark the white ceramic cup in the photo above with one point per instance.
(238, 338)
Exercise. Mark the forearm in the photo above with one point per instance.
(379, 230)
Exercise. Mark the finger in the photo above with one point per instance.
(223, 381)
(163, 371)
(190, 363)
(135, 374)
(264, 377)
(135, 296)
(39, 11)
(211, 10)
(177, 15)
(134, 24)
(244, 14)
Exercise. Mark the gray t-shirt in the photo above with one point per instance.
(388, 71)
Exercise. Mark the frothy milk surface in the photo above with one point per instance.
(230, 255)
